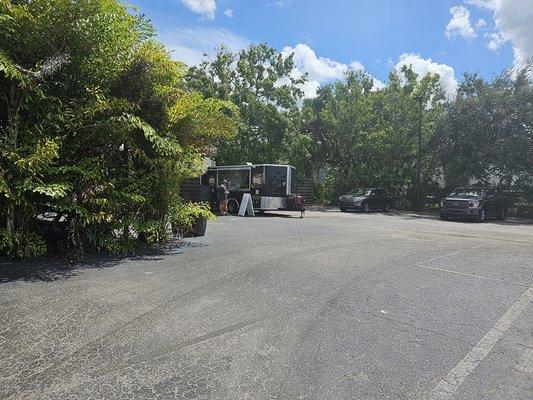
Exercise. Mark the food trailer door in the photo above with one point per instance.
(275, 188)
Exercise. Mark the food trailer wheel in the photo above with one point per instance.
(233, 206)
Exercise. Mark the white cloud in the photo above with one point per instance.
(205, 8)
(480, 3)
(480, 23)
(514, 23)
(279, 3)
(310, 89)
(424, 66)
(459, 24)
(496, 41)
(228, 12)
(377, 84)
(190, 44)
(319, 69)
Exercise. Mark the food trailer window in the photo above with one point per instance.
(209, 179)
(258, 177)
(238, 179)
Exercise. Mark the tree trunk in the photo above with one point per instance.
(14, 100)
(13, 115)
(10, 220)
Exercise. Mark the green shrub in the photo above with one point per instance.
(119, 244)
(322, 193)
(21, 245)
(153, 232)
(185, 215)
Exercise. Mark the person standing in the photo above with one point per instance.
(222, 195)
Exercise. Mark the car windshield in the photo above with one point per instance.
(360, 192)
(468, 192)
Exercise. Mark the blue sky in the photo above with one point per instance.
(444, 36)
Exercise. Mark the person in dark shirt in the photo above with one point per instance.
(222, 195)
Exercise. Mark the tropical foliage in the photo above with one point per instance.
(97, 129)
(186, 215)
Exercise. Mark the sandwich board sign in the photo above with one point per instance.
(246, 206)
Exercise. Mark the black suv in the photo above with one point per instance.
(366, 200)
(473, 202)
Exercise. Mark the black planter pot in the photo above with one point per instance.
(199, 227)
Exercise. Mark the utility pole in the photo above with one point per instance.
(419, 155)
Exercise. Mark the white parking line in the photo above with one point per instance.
(453, 253)
(447, 387)
(471, 275)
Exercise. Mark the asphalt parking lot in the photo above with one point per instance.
(332, 306)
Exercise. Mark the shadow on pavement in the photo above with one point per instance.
(273, 214)
(52, 269)
(411, 215)
(414, 215)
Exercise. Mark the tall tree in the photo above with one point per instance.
(262, 83)
(52, 54)
(487, 133)
(368, 137)
(96, 125)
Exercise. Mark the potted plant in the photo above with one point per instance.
(190, 219)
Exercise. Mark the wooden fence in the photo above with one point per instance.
(305, 187)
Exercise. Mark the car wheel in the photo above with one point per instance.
(343, 209)
(444, 217)
(387, 207)
(482, 217)
(366, 207)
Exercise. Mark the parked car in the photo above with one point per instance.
(474, 202)
(366, 199)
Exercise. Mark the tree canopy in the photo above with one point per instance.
(368, 137)
(261, 83)
(97, 128)
(487, 132)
